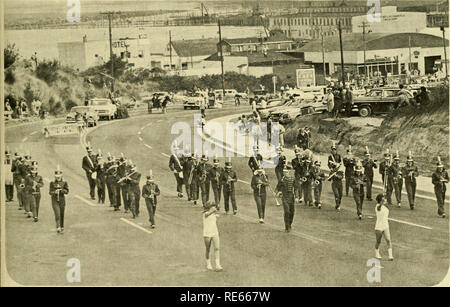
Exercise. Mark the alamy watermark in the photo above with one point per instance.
(374, 12)
(374, 273)
(74, 273)
(74, 12)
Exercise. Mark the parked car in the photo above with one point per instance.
(91, 115)
(377, 101)
(271, 103)
(194, 101)
(104, 107)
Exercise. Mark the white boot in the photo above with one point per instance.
(208, 264)
(377, 254)
(390, 254)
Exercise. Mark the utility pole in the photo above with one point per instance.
(445, 51)
(170, 49)
(409, 47)
(365, 47)
(221, 59)
(342, 54)
(323, 56)
(110, 15)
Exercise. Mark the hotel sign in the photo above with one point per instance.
(305, 77)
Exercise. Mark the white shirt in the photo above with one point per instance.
(382, 218)
(210, 225)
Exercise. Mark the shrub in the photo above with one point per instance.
(11, 55)
(10, 78)
(46, 70)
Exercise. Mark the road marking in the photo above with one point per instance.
(165, 155)
(86, 201)
(148, 146)
(411, 224)
(140, 132)
(140, 139)
(135, 225)
(34, 132)
(246, 182)
(24, 139)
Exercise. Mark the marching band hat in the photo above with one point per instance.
(204, 158)
(439, 163)
(228, 164)
(387, 153)
(150, 176)
(367, 152)
(317, 163)
(349, 149)
(215, 160)
(110, 158)
(34, 169)
(333, 146)
(34, 163)
(410, 157)
(397, 156)
(88, 147)
(58, 172)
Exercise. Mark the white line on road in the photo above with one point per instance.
(148, 146)
(34, 132)
(165, 155)
(409, 223)
(86, 201)
(24, 139)
(140, 139)
(135, 225)
(246, 182)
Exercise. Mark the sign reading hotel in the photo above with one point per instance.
(306, 77)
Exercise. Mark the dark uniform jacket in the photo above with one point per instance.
(410, 173)
(133, 182)
(255, 162)
(175, 164)
(258, 184)
(357, 182)
(383, 168)
(286, 187)
(349, 164)
(318, 175)
(369, 165)
(33, 184)
(214, 174)
(227, 179)
(298, 166)
(151, 190)
(394, 174)
(87, 165)
(202, 171)
(436, 180)
(54, 185)
(337, 158)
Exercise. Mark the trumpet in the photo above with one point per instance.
(317, 182)
(304, 179)
(22, 184)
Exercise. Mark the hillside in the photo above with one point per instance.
(424, 132)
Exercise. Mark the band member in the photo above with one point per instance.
(176, 167)
(108, 177)
(384, 166)
(100, 179)
(303, 138)
(9, 182)
(133, 191)
(15, 169)
(122, 170)
(410, 172)
(318, 176)
(369, 165)
(279, 169)
(307, 178)
(89, 165)
(150, 192)
(349, 163)
(32, 191)
(112, 178)
(188, 164)
(58, 189)
(285, 189)
(259, 184)
(203, 178)
(255, 161)
(395, 181)
(25, 170)
(214, 175)
(440, 179)
(227, 180)
(211, 235)
(357, 182)
(297, 165)
(382, 226)
(336, 177)
(193, 179)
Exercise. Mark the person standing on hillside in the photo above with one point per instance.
(440, 179)
(410, 172)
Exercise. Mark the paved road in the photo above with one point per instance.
(325, 248)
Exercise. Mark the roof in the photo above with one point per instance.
(195, 47)
(257, 57)
(277, 37)
(374, 41)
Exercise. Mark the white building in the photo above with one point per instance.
(390, 21)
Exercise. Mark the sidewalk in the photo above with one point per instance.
(424, 186)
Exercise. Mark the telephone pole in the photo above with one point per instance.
(323, 57)
(170, 49)
(221, 58)
(445, 52)
(110, 15)
(365, 47)
(342, 53)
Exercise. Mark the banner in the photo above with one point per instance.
(61, 129)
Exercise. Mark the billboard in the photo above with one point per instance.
(306, 77)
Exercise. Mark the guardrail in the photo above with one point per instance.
(61, 129)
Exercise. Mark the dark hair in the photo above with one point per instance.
(379, 199)
(401, 86)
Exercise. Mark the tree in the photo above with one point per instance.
(11, 55)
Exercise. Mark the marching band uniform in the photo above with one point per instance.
(307, 181)
(24, 171)
(368, 165)
(133, 190)
(89, 166)
(303, 138)
(101, 180)
(255, 161)
(58, 189)
(440, 179)
(9, 182)
(33, 185)
(410, 172)
(150, 192)
(15, 169)
(203, 179)
(281, 163)
(395, 182)
(384, 166)
(285, 186)
(357, 182)
(112, 179)
(177, 168)
(336, 177)
(349, 163)
(108, 181)
(214, 175)
(122, 171)
(258, 184)
(318, 176)
(188, 175)
(194, 179)
(227, 180)
(297, 165)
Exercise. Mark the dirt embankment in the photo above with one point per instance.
(424, 132)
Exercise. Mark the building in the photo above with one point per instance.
(84, 54)
(391, 21)
(274, 41)
(319, 17)
(389, 53)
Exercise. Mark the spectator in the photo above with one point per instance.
(338, 103)
(422, 97)
(330, 101)
(403, 97)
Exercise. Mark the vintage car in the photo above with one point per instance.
(194, 101)
(91, 115)
(378, 101)
(271, 103)
(104, 107)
